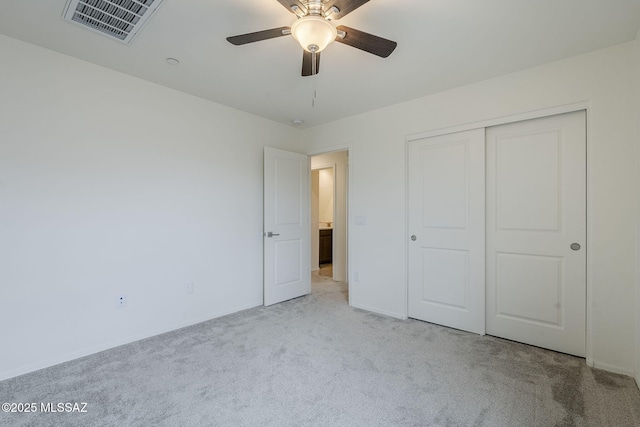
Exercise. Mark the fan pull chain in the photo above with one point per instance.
(314, 72)
(313, 64)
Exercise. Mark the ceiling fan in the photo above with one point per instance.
(314, 31)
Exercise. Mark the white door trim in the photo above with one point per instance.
(527, 115)
(535, 114)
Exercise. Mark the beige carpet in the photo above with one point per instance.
(326, 270)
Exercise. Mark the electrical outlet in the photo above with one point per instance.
(190, 288)
(121, 301)
(356, 276)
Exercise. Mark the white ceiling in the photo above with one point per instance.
(441, 44)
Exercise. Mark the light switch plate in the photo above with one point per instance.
(361, 220)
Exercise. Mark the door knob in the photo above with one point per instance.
(271, 234)
(414, 238)
(575, 246)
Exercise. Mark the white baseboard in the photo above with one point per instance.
(612, 368)
(106, 346)
(379, 311)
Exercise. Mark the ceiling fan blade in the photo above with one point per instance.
(345, 7)
(288, 3)
(259, 35)
(367, 42)
(307, 64)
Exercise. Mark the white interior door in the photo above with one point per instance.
(446, 230)
(287, 272)
(536, 232)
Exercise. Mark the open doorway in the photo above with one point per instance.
(329, 186)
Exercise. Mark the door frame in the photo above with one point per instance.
(348, 147)
(496, 121)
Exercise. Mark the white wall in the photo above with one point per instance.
(603, 79)
(325, 197)
(339, 161)
(111, 185)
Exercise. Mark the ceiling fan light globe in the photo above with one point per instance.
(313, 33)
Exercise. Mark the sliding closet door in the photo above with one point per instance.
(446, 230)
(536, 232)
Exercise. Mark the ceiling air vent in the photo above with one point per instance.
(118, 19)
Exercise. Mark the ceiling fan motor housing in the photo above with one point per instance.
(314, 7)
